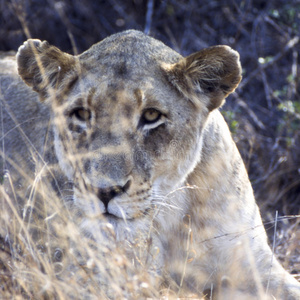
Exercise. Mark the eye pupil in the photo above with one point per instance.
(151, 115)
(82, 114)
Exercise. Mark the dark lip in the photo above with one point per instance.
(110, 216)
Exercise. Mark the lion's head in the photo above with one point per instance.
(128, 116)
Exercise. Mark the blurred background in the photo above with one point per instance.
(263, 113)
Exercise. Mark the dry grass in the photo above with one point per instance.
(49, 257)
(40, 260)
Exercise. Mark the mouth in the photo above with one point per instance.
(115, 218)
(110, 216)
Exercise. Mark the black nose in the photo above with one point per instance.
(105, 195)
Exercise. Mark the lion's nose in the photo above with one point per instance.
(106, 194)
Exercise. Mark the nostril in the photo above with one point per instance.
(126, 186)
(105, 195)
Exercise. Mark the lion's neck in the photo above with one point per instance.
(220, 178)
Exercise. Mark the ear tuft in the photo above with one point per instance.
(214, 72)
(42, 66)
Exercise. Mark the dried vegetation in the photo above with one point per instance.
(263, 114)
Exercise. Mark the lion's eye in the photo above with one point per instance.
(81, 114)
(151, 116)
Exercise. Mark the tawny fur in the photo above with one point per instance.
(178, 181)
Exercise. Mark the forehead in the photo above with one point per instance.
(124, 68)
(127, 51)
(128, 56)
(102, 93)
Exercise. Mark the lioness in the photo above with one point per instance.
(136, 129)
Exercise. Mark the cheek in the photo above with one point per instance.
(88, 202)
(177, 159)
(158, 139)
(63, 156)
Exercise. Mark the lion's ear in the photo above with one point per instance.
(214, 72)
(43, 66)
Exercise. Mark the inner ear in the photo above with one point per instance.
(43, 66)
(214, 72)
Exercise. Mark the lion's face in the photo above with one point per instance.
(126, 144)
(127, 117)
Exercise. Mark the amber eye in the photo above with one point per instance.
(151, 116)
(81, 114)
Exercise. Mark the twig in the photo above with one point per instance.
(276, 26)
(149, 16)
(59, 6)
(20, 13)
(278, 56)
(267, 89)
(273, 248)
(293, 86)
(251, 113)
